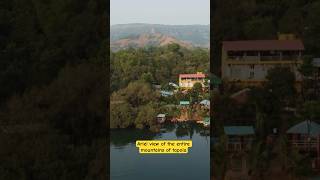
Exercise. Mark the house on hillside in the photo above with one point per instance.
(161, 118)
(205, 103)
(184, 103)
(166, 93)
(206, 121)
(186, 81)
(238, 144)
(156, 86)
(305, 137)
(173, 85)
(239, 138)
(247, 62)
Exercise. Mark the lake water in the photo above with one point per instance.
(127, 164)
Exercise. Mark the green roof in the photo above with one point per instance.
(215, 80)
(239, 130)
(184, 102)
(206, 119)
(305, 127)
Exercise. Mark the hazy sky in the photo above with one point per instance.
(178, 12)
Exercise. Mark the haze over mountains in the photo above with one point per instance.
(142, 35)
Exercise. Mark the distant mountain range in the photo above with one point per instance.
(142, 35)
(147, 40)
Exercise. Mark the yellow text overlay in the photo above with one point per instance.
(164, 146)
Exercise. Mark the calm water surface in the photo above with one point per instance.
(127, 164)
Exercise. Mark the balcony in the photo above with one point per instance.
(304, 145)
(264, 58)
(236, 144)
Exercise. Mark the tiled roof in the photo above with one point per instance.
(261, 45)
(192, 75)
(161, 115)
(246, 90)
(166, 93)
(205, 102)
(184, 102)
(305, 127)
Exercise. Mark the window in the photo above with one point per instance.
(252, 53)
(251, 75)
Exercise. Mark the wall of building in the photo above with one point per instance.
(188, 83)
(254, 72)
(248, 70)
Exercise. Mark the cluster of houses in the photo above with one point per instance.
(186, 82)
(184, 105)
(246, 63)
(303, 137)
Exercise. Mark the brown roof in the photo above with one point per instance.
(263, 45)
(192, 75)
(198, 75)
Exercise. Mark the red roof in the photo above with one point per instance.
(192, 75)
(263, 45)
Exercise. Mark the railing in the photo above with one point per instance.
(238, 145)
(304, 144)
(244, 58)
(264, 58)
(270, 58)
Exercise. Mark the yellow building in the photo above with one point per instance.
(247, 62)
(186, 81)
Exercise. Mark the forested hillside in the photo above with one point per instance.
(147, 40)
(197, 35)
(275, 106)
(53, 90)
(263, 19)
(134, 101)
(159, 65)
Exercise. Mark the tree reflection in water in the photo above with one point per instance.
(122, 137)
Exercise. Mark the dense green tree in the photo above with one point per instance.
(52, 78)
(312, 28)
(259, 28)
(36, 41)
(174, 47)
(283, 88)
(220, 159)
(121, 115)
(146, 116)
(311, 111)
(307, 69)
(309, 85)
(299, 164)
(258, 160)
(267, 108)
(292, 21)
(134, 105)
(159, 65)
(195, 93)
